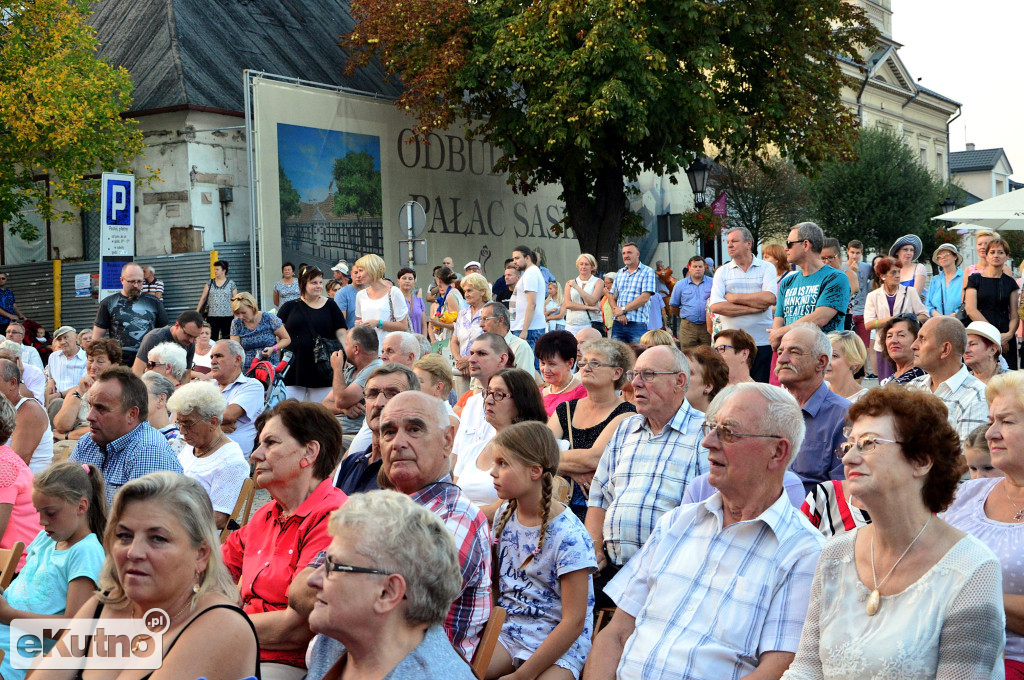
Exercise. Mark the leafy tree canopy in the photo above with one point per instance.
(359, 185)
(290, 198)
(766, 198)
(590, 94)
(882, 195)
(60, 109)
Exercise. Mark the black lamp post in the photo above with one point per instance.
(948, 205)
(698, 174)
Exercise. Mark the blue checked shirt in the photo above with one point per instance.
(642, 475)
(629, 286)
(691, 299)
(134, 455)
(710, 600)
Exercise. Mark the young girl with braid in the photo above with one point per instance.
(543, 565)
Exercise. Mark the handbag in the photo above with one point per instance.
(205, 309)
(323, 348)
(391, 306)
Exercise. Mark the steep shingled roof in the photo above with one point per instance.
(979, 160)
(192, 52)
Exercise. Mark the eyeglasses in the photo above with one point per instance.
(865, 444)
(594, 365)
(331, 566)
(187, 424)
(389, 393)
(488, 318)
(153, 364)
(790, 244)
(721, 348)
(727, 435)
(11, 331)
(828, 258)
(134, 282)
(496, 395)
(648, 376)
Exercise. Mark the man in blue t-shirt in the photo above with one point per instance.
(815, 293)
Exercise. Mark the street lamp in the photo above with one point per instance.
(698, 174)
(948, 205)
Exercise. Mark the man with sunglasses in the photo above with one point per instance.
(129, 314)
(707, 596)
(183, 332)
(647, 466)
(815, 293)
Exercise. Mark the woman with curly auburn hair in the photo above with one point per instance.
(899, 591)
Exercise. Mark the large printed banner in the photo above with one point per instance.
(332, 171)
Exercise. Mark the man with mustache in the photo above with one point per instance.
(804, 354)
(129, 314)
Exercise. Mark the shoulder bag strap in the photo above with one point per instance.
(568, 414)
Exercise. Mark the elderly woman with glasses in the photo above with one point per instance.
(207, 454)
(510, 397)
(887, 301)
(908, 591)
(169, 360)
(587, 424)
(388, 580)
(739, 351)
(259, 333)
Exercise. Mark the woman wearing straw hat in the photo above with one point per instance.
(982, 354)
(944, 291)
(912, 273)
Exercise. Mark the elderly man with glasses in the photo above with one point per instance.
(721, 587)
(652, 458)
(29, 354)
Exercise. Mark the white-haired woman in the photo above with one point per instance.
(160, 389)
(209, 456)
(162, 553)
(390, 575)
(582, 298)
(169, 360)
(379, 305)
(477, 293)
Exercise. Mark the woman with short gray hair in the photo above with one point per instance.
(168, 359)
(209, 456)
(399, 574)
(160, 389)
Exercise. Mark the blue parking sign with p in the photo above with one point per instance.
(119, 202)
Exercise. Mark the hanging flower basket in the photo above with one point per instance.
(702, 225)
(946, 235)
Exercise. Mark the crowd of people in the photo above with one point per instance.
(652, 477)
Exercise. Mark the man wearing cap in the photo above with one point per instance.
(943, 298)
(345, 298)
(983, 347)
(472, 267)
(67, 366)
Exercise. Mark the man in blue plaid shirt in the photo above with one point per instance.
(634, 285)
(720, 588)
(121, 442)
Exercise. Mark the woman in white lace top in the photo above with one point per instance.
(907, 596)
(991, 509)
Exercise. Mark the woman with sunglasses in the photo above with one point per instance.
(510, 397)
(888, 301)
(594, 417)
(908, 591)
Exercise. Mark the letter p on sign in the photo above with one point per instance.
(119, 202)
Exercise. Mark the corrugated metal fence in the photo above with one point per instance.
(183, 275)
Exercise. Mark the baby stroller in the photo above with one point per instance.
(272, 378)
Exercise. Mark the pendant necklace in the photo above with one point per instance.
(1020, 511)
(875, 599)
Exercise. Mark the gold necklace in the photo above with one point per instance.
(875, 599)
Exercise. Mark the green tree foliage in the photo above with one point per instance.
(590, 94)
(766, 198)
(60, 109)
(290, 199)
(882, 195)
(359, 185)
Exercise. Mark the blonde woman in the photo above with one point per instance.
(477, 293)
(379, 304)
(583, 295)
(257, 332)
(848, 357)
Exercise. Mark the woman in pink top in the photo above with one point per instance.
(19, 520)
(556, 354)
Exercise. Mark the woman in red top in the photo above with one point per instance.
(300, 444)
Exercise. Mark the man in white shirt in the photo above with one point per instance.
(487, 355)
(939, 351)
(29, 354)
(743, 296)
(495, 319)
(529, 295)
(246, 396)
(66, 366)
(33, 380)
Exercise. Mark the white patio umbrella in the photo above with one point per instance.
(1004, 212)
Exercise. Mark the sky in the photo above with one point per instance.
(969, 51)
(307, 156)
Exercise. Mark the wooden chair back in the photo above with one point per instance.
(9, 563)
(245, 495)
(561, 490)
(488, 640)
